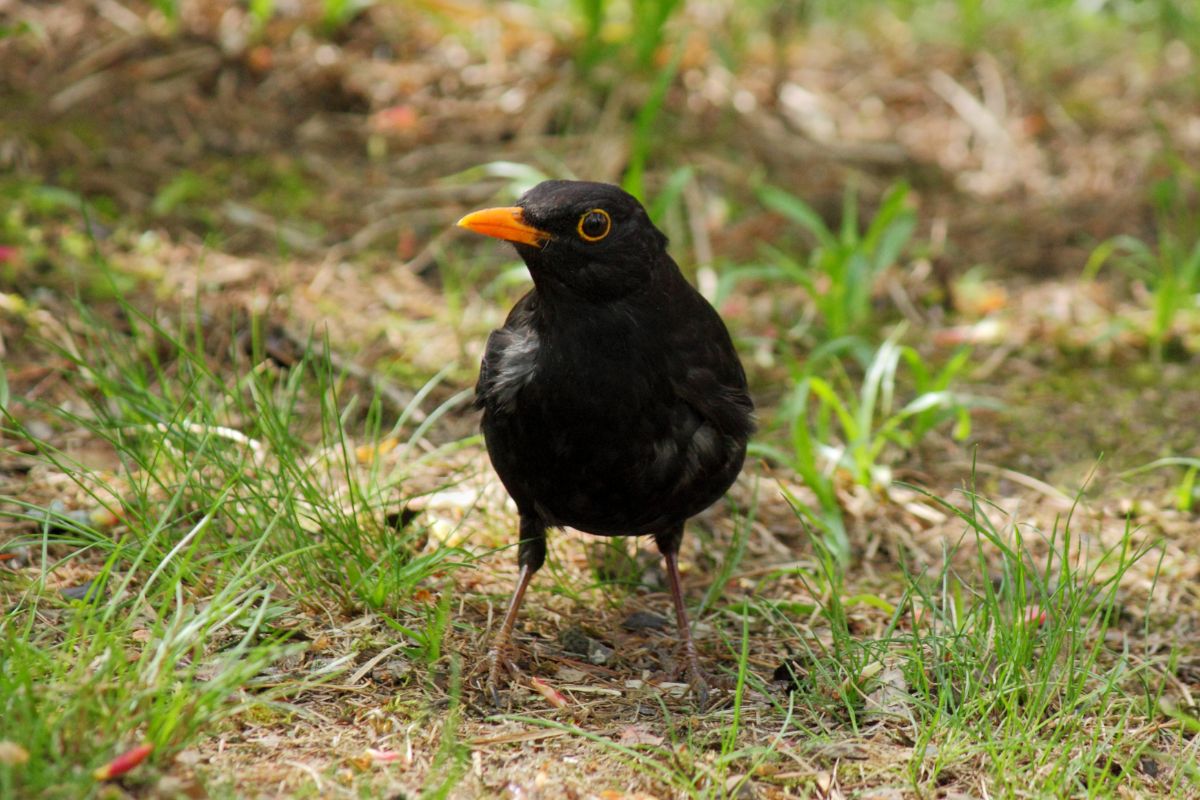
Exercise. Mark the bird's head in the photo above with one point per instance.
(591, 241)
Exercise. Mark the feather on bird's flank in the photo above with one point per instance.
(512, 362)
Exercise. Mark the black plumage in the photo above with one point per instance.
(613, 399)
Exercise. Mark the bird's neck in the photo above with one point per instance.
(608, 303)
(590, 320)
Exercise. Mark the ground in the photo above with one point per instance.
(246, 516)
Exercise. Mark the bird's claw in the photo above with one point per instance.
(498, 660)
(698, 682)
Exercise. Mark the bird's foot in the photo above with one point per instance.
(698, 681)
(498, 660)
(686, 669)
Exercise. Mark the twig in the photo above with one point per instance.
(970, 109)
(362, 671)
(1028, 481)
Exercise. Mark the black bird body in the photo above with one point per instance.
(613, 399)
(610, 421)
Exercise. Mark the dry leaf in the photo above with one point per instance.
(367, 453)
(891, 696)
(12, 754)
(639, 734)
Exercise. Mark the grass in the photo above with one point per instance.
(636, 39)
(844, 265)
(238, 497)
(1187, 492)
(998, 657)
(844, 431)
(212, 526)
(1018, 651)
(1167, 269)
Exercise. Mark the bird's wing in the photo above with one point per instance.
(709, 417)
(707, 374)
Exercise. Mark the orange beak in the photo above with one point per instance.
(504, 223)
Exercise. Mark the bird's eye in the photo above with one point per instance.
(594, 225)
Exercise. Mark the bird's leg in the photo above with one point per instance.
(668, 544)
(695, 673)
(531, 553)
(498, 653)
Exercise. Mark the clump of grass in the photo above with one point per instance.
(83, 681)
(635, 41)
(840, 272)
(228, 505)
(1011, 667)
(1168, 269)
(997, 663)
(847, 433)
(44, 243)
(1187, 491)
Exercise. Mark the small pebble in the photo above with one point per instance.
(574, 640)
(88, 592)
(392, 671)
(599, 653)
(644, 620)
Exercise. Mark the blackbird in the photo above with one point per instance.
(613, 399)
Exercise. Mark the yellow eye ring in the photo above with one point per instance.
(594, 225)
